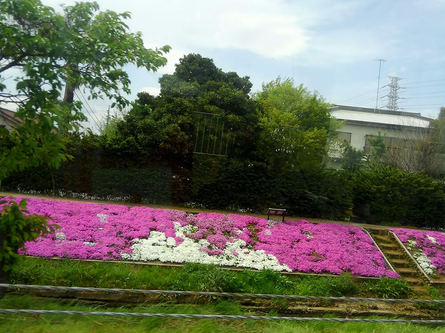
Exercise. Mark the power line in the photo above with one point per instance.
(437, 104)
(90, 114)
(89, 111)
(426, 81)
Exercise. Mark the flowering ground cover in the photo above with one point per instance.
(117, 232)
(427, 247)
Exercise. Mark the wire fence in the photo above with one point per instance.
(20, 287)
(217, 316)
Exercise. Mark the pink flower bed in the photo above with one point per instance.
(431, 243)
(108, 232)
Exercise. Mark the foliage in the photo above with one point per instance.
(390, 288)
(352, 158)
(196, 277)
(385, 194)
(82, 47)
(165, 127)
(143, 184)
(235, 184)
(47, 50)
(295, 125)
(17, 226)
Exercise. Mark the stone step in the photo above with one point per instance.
(414, 280)
(420, 290)
(407, 271)
(402, 262)
(394, 254)
(384, 238)
(389, 246)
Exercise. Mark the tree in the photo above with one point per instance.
(81, 48)
(295, 125)
(166, 126)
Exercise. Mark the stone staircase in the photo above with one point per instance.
(400, 261)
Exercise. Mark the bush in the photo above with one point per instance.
(390, 288)
(229, 184)
(152, 185)
(383, 194)
(327, 286)
(17, 226)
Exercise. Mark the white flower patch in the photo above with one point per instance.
(89, 243)
(421, 258)
(102, 217)
(60, 235)
(158, 247)
(432, 239)
(308, 234)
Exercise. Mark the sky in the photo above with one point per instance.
(330, 47)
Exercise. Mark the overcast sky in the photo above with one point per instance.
(329, 46)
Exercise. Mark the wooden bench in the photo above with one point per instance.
(276, 212)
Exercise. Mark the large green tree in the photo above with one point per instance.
(197, 94)
(50, 55)
(295, 125)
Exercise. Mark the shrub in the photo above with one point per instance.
(390, 288)
(147, 184)
(16, 227)
(383, 194)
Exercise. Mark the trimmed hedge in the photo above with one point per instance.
(376, 194)
(234, 184)
(383, 194)
(152, 185)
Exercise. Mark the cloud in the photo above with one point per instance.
(270, 28)
(154, 91)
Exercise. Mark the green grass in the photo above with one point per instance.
(195, 277)
(64, 323)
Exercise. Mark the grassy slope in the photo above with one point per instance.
(196, 277)
(62, 323)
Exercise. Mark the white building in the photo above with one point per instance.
(361, 124)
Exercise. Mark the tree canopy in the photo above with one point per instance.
(295, 124)
(197, 94)
(46, 52)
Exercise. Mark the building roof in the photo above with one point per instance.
(379, 116)
(8, 115)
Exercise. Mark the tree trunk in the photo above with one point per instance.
(70, 86)
(69, 92)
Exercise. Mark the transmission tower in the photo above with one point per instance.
(393, 94)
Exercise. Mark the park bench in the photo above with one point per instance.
(276, 212)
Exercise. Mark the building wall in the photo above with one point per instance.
(359, 133)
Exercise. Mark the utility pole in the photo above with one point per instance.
(108, 116)
(393, 94)
(378, 84)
